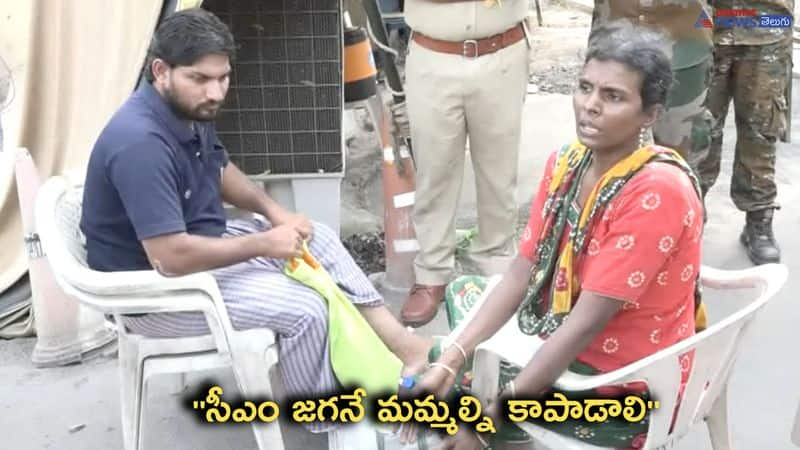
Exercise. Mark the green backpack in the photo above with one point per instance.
(358, 356)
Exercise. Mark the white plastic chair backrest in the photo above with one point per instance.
(58, 209)
(67, 213)
(715, 350)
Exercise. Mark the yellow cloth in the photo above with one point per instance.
(562, 298)
(351, 339)
(562, 301)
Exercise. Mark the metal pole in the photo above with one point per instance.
(387, 60)
(378, 28)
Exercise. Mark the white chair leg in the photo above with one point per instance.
(252, 373)
(335, 440)
(796, 429)
(268, 435)
(130, 374)
(717, 422)
(362, 435)
(127, 389)
(144, 377)
(484, 384)
(177, 383)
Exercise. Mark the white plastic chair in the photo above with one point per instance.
(795, 436)
(705, 396)
(249, 353)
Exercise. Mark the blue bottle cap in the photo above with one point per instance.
(408, 382)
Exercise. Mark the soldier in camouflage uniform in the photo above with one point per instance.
(752, 66)
(685, 125)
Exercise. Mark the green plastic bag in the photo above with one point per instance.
(358, 356)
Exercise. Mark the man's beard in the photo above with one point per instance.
(199, 114)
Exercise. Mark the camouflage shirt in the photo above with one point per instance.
(740, 35)
(692, 44)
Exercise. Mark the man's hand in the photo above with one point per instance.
(299, 222)
(283, 242)
(400, 123)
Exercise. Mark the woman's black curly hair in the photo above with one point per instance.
(644, 50)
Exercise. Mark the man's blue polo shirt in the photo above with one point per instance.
(150, 173)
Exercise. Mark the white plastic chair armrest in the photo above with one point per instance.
(520, 355)
(196, 301)
(148, 292)
(770, 278)
(142, 283)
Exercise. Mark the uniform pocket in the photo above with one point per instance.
(778, 125)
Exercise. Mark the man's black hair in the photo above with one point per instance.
(187, 36)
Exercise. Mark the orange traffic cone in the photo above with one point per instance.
(67, 331)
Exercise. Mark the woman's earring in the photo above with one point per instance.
(642, 134)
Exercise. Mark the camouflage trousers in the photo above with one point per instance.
(755, 77)
(685, 124)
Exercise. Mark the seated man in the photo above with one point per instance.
(154, 192)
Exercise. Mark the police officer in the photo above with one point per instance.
(752, 67)
(466, 78)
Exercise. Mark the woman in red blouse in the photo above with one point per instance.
(613, 240)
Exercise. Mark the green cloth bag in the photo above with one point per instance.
(358, 356)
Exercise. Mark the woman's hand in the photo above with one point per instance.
(440, 377)
(467, 439)
(437, 381)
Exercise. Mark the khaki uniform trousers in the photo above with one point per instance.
(452, 98)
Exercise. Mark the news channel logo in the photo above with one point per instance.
(742, 18)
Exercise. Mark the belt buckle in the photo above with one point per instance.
(465, 48)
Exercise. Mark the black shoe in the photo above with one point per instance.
(758, 238)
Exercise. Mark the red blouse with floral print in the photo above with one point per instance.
(643, 250)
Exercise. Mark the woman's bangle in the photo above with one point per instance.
(481, 440)
(460, 349)
(443, 366)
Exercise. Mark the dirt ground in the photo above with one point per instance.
(555, 58)
(557, 49)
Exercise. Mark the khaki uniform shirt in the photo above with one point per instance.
(460, 21)
(754, 35)
(692, 44)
